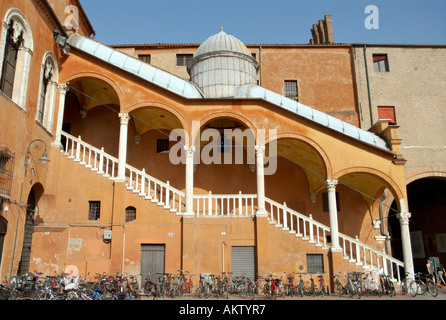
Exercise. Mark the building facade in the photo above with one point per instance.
(222, 164)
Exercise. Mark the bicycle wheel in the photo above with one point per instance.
(358, 290)
(349, 289)
(413, 288)
(340, 290)
(432, 288)
(403, 288)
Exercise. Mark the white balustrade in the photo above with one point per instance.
(225, 204)
(307, 228)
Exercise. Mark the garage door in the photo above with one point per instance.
(243, 262)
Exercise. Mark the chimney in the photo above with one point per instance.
(322, 31)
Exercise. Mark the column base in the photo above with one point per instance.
(261, 213)
(189, 213)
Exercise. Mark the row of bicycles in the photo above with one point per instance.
(371, 283)
(36, 286)
(271, 286)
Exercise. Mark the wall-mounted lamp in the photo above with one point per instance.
(62, 41)
(43, 159)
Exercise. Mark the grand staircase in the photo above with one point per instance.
(280, 216)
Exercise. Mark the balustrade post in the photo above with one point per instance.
(310, 229)
(358, 253)
(101, 161)
(167, 197)
(143, 183)
(78, 150)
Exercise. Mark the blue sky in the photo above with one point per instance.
(264, 21)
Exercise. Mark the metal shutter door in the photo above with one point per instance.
(152, 260)
(243, 262)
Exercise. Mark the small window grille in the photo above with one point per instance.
(130, 214)
(183, 59)
(315, 263)
(145, 57)
(94, 212)
(6, 172)
(291, 89)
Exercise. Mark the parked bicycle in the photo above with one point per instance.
(423, 286)
(338, 286)
(371, 285)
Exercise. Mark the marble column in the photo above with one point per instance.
(190, 150)
(260, 154)
(333, 213)
(122, 158)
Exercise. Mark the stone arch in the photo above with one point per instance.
(305, 153)
(368, 181)
(161, 110)
(98, 77)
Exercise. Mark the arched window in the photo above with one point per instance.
(47, 92)
(130, 214)
(16, 47)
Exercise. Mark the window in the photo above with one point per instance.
(162, 146)
(94, 211)
(12, 44)
(291, 89)
(144, 57)
(47, 95)
(325, 207)
(315, 263)
(130, 214)
(6, 172)
(380, 63)
(387, 113)
(183, 59)
(16, 48)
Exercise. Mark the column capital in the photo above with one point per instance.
(125, 117)
(190, 150)
(63, 88)
(260, 150)
(331, 183)
(404, 217)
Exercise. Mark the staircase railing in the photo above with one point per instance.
(139, 182)
(354, 250)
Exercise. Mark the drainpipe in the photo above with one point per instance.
(368, 86)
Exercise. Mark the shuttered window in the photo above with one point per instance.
(387, 112)
(380, 63)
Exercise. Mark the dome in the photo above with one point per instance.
(222, 42)
(222, 64)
